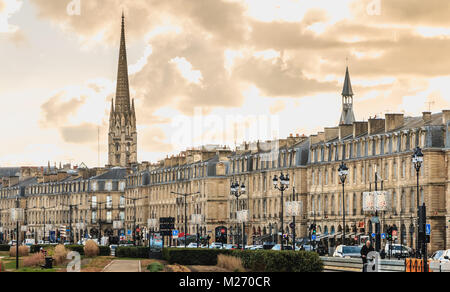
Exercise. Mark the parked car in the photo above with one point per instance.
(216, 245)
(229, 246)
(441, 256)
(285, 247)
(398, 251)
(30, 241)
(192, 245)
(256, 247)
(345, 251)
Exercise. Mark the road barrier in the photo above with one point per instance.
(356, 265)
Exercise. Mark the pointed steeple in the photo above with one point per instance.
(347, 91)
(347, 116)
(122, 90)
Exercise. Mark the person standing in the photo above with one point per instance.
(365, 250)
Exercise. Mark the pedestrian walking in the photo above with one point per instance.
(365, 250)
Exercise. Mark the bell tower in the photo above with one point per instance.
(347, 116)
(122, 138)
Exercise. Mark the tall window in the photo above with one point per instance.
(94, 202)
(394, 169)
(109, 202)
(413, 201)
(94, 216)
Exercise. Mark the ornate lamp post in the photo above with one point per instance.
(238, 191)
(281, 184)
(343, 172)
(417, 160)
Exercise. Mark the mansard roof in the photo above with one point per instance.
(114, 173)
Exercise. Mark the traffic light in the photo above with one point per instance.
(389, 233)
(314, 229)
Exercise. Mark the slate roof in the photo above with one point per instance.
(114, 173)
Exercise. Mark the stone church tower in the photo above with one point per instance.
(122, 138)
(347, 116)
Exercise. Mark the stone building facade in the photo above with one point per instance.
(84, 201)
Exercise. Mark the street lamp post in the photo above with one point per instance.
(237, 191)
(343, 172)
(281, 184)
(185, 195)
(417, 160)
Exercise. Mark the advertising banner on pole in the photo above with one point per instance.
(293, 208)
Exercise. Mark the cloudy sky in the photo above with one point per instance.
(210, 71)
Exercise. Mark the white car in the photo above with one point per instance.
(192, 245)
(346, 251)
(397, 250)
(216, 245)
(441, 256)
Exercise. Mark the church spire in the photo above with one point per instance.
(347, 91)
(123, 90)
(347, 116)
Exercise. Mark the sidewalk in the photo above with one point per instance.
(123, 266)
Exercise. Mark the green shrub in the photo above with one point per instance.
(104, 251)
(279, 261)
(155, 267)
(132, 252)
(252, 260)
(78, 248)
(190, 256)
(4, 247)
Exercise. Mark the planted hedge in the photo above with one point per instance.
(4, 247)
(132, 252)
(191, 256)
(279, 261)
(104, 251)
(252, 260)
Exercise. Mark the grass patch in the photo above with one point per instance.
(155, 267)
(36, 270)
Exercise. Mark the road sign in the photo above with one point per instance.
(175, 234)
(383, 235)
(313, 237)
(373, 235)
(428, 229)
(394, 233)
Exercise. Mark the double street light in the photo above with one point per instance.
(343, 173)
(417, 160)
(281, 184)
(237, 191)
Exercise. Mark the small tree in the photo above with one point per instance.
(91, 249)
(60, 254)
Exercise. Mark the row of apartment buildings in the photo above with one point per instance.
(90, 200)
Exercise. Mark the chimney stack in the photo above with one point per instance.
(394, 121)
(426, 116)
(376, 125)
